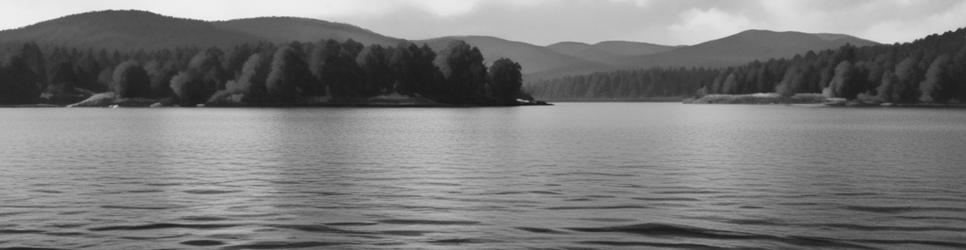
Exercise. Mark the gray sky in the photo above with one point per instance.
(547, 21)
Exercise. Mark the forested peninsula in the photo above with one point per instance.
(324, 73)
(926, 72)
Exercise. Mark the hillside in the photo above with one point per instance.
(569, 48)
(285, 29)
(927, 72)
(608, 52)
(744, 47)
(632, 48)
(129, 30)
(734, 50)
(533, 58)
(125, 30)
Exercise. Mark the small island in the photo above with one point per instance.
(325, 73)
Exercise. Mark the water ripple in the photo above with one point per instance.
(571, 177)
(429, 222)
(155, 226)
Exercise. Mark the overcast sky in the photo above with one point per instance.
(543, 22)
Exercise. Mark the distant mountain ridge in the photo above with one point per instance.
(744, 47)
(533, 58)
(737, 49)
(125, 30)
(134, 30)
(608, 52)
(285, 29)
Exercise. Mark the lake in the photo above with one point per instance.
(575, 175)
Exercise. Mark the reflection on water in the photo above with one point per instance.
(627, 175)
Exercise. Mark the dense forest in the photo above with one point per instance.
(624, 85)
(260, 74)
(928, 70)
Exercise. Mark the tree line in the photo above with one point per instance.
(928, 70)
(262, 74)
(626, 84)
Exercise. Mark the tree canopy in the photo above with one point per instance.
(264, 73)
(131, 80)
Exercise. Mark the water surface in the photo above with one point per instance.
(575, 175)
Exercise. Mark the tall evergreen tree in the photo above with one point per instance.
(130, 80)
(506, 80)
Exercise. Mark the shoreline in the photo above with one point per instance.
(38, 105)
(759, 99)
(317, 105)
(109, 100)
(807, 99)
(648, 99)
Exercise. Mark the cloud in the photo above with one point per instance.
(880, 20)
(445, 8)
(703, 25)
(638, 3)
(549, 21)
(906, 29)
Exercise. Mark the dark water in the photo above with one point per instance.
(628, 175)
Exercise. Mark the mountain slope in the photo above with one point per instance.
(857, 75)
(733, 50)
(132, 30)
(744, 47)
(285, 29)
(569, 48)
(609, 52)
(533, 58)
(125, 30)
(631, 48)
(586, 52)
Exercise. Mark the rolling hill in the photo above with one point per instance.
(744, 47)
(533, 58)
(737, 49)
(608, 52)
(285, 29)
(125, 30)
(631, 48)
(865, 76)
(133, 30)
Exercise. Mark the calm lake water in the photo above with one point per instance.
(575, 175)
